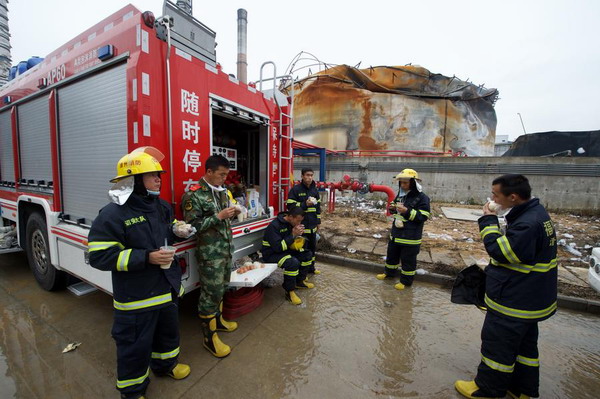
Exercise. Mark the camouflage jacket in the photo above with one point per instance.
(200, 208)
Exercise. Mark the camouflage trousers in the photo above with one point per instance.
(214, 276)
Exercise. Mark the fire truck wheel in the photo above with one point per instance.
(38, 254)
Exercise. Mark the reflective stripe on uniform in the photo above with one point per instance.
(280, 263)
(166, 355)
(498, 366)
(101, 245)
(181, 290)
(518, 313)
(407, 273)
(290, 273)
(266, 243)
(425, 213)
(319, 216)
(307, 263)
(144, 303)
(123, 260)
(412, 214)
(311, 209)
(507, 250)
(528, 361)
(492, 229)
(310, 231)
(134, 381)
(283, 245)
(523, 268)
(291, 201)
(392, 266)
(407, 242)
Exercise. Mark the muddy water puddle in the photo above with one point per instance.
(353, 337)
(357, 337)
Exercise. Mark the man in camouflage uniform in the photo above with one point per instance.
(206, 207)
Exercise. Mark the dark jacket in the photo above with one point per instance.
(413, 219)
(278, 237)
(120, 241)
(298, 196)
(521, 279)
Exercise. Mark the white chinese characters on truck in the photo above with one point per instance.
(59, 142)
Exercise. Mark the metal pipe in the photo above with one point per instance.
(242, 34)
(166, 22)
(518, 113)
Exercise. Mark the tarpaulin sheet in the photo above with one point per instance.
(556, 143)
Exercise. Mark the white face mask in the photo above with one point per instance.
(215, 188)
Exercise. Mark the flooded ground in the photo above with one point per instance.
(353, 337)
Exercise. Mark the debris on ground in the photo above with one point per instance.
(359, 229)
(71, 347)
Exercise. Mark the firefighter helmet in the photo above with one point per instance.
(298, 243)
(407, 174)
(139, 161)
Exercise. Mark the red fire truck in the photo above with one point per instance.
(129, 81)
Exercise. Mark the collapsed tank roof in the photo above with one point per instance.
(394, 108)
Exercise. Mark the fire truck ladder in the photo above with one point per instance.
(285, 133)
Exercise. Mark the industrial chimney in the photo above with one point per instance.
(242, 64)
(4, 43)
(184, 5)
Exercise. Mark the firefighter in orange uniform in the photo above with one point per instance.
(125, 239)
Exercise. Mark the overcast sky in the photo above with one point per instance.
(543, 56)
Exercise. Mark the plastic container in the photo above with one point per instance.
(21, 68)
(33, 61)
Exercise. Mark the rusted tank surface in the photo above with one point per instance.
(394, 108)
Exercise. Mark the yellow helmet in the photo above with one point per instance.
(298, 243)
(139, 161)
(407, 174)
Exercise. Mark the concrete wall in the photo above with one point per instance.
(562, 184)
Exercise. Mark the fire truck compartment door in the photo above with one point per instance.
(34, 140)
(7, 166)
(93, 137)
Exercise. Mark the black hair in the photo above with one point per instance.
(296, 211)
(215, 161)
(514, 184)
(304, 170)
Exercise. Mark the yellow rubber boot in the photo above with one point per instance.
(381, 276)
(224, 325)
(212, 342)
(399, 286)
(305, 284)
(317, 271)
(180, 371)
(467, 389)
(293, 298)
(515, 396)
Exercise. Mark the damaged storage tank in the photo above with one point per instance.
(394, 108)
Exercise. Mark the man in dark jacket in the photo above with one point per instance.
(521, 290)
(283, 244)
(306, 196)
(410, 209)
(125, 239)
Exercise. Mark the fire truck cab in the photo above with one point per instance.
(129, 81)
